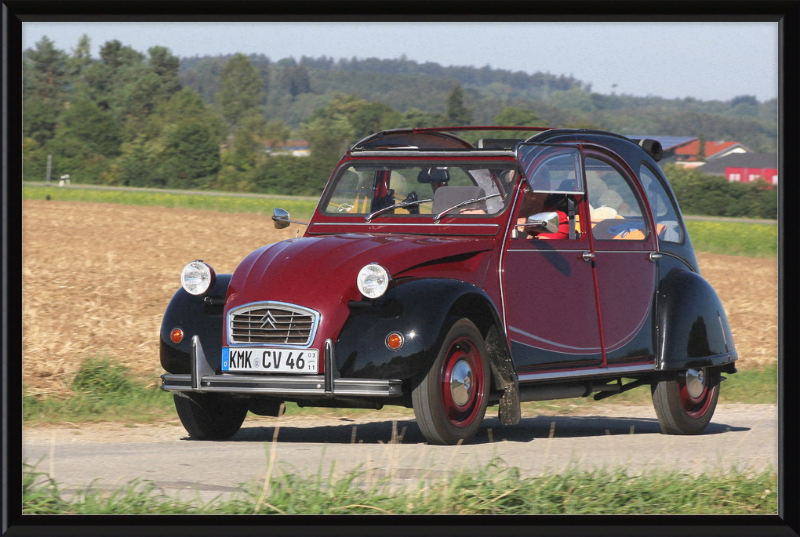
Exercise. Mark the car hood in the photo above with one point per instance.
(309, 270)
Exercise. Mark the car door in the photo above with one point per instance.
(622, 242)
(549, 295)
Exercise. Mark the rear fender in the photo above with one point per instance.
(693, 329)
(194, 315)
(422, 311)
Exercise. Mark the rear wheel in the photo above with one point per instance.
(210, 416)
(450, 399)
(685, 402)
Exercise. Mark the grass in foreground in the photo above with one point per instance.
(494, 489)
(104, 390)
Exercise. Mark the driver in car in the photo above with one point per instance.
(537, 202)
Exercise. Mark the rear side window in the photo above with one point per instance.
(613, 206)
(664, 212)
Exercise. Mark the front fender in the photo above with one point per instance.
(422, 310)
(693, 327)
(195, 316)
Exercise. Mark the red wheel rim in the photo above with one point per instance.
(695, 406)
(463, 386)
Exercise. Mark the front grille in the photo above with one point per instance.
(272, 324)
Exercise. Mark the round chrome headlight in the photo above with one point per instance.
(197, 277)
(373, 280)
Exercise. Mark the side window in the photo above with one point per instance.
(552, 189)
(664, 212)
(615, 210)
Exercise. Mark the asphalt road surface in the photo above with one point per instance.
(389, 445)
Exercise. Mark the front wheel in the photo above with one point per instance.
(685, 402)
(210, 416)
(450, 398)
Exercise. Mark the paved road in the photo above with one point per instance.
(744, 435)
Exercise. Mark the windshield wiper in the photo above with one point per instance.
(463, 203)
(400, 205)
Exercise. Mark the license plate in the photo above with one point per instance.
(261, 360)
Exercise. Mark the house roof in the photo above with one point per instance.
(288, 144)
(668, 143)
(711, 148)
(740, 160)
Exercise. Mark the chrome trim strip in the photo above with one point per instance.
(284, 385)
(539, 251)
(518, 331)
(270, 303)
(373, 224)
(371, 387)
(644, 252)
(422, 154)
(560, 375)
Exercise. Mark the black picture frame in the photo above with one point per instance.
(785, 523)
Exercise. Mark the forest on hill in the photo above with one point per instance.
(151, 119)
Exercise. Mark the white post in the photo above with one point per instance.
(49, 162)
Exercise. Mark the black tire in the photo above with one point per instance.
(210, 416)
(447, 410)
(686, 401)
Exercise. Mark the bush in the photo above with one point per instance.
(712, 195)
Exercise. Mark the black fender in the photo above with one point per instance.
(693, 329)
(195, 315)
(422, 310)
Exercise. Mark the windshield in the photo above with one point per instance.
(369, 189)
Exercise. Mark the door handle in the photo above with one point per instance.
(587, 256)
(654, 256)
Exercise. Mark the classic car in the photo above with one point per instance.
(449, 276)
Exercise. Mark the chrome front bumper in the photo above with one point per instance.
(203, 378)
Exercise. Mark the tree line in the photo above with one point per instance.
(154, 120)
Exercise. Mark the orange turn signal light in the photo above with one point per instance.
(394, 340)
(176, 335)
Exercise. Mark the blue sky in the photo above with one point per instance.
(707, 61)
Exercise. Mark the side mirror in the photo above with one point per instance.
(281, 218)
(543, 222)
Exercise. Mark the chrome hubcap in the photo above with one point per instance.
(461, 383)
(695, 382)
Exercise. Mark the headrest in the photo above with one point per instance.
(434, 175)
(447, 196)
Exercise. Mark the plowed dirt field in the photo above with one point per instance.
(98, 277)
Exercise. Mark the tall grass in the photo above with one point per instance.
(102, 390)
(494, 489)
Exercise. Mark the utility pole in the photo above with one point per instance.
(49, 162)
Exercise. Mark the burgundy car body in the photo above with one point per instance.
(620, 300)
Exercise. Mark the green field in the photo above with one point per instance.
(734, 238)
(731, 238)
(225, 203)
